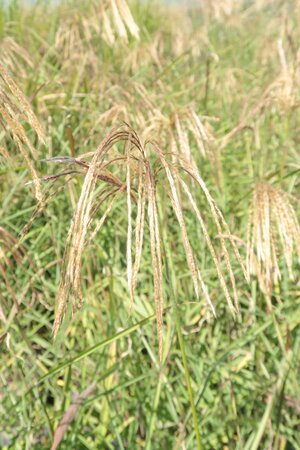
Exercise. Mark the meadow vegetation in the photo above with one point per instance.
(149, 225)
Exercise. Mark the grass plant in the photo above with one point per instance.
(149, 172)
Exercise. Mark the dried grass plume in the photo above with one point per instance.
(273, 231)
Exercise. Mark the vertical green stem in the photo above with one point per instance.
(283, 156)
(249, 155)
(172, 280)
(154, 412)
(286, 363)
(187, 375)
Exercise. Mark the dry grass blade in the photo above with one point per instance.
(70, 415)
(273, 229)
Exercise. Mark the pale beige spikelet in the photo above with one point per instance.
(283, 90)
(129, 221)
(139, 230)
(23, 102)
(179, 214)
(20, 138)
(188, 131)
(199, 132)
(183, 139)
(106, 213)
(112, 18)
(219, 10)
(6, 155)
(205, 142)
(156, 258)
(210, 247)
(15, 57)
(254, 112)
(221, 225)
(173, 148)
(146, 53)
(219, 221)
(70, 285)
(273, 231)
(119, 23)
(128, 19)
(107, 34)
(15, 108)
(16, 128)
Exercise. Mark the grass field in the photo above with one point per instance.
(149, 225)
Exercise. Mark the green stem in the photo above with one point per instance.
(286, 363)
(283, 156)
(154, 412)
(172, 280)
(187, 376)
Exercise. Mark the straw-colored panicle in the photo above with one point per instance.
(273, 235)
(220, 9)
(184, 128)
(110, 20)
(283, 90)
(123, 19)
(142, 188)
(15, 57)
(188, 129)
(146, 53)
(14, 110)
(77, 37)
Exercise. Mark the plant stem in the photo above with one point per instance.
(187, 376)
(285, 367)
(172, 280)
(154, 412)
